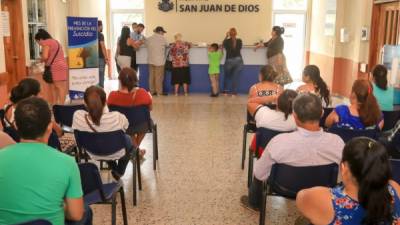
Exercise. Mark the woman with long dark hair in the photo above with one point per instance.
(383, 92)
(362, 113)
(315, 84)
(367, 195)
(275, 56)
(126, 55)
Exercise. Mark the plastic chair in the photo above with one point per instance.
(395, 170)
(263, 136)
(2, 114)
(95, 192)
(36, 222)
(390, 119)
(348, 134)
(249, 127)
(107, 143)
(63, 115)
(137, 117)
(325, 115)
(287, 181)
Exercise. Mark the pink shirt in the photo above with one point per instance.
(59, 67)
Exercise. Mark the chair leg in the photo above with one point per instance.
(154, 147)
(113, 210)
(123, 206)
(134, 200)
(263, 206)
(156, 135)
(250, 169)
(244, 145)
(139, 174)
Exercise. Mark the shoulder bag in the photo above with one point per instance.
(47, 74)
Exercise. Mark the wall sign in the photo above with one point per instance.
(206, 6)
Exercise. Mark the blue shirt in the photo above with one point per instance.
(385, 98)
(346, 120)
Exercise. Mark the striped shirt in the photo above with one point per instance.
(59, 67)
(110, 121)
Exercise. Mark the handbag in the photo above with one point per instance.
(47, 74)
(124, 61)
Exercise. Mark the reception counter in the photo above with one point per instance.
(198, 60)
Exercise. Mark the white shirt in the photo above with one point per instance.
(274, 120)
(110, 121)
(156, 49)
(300, 148)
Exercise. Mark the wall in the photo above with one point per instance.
(211, 27)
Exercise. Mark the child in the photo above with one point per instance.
(214, 58)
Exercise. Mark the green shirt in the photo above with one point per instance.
(34, 180)
(385, 98)
(214, 59)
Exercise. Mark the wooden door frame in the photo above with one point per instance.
(375, 22)
(14, 46)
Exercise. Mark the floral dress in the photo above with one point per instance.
(349, 212)
(179, 54)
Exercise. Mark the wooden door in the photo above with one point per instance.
(14, 47)
(385, 29)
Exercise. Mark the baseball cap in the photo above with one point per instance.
(159, 29)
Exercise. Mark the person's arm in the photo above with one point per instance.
(315, 204)
(252, 108)
(73, 208)
(263, 100)
(132, 43)
(331, 119)
(239, 44)
(73, 201)
(57, 129)
(103, 49)
(263, 166)
(45, 53)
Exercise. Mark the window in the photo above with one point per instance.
(36, 21)
(290, 5)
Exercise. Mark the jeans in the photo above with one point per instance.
(232, 69)
(122, 163)
(255, 193)
(87, 218)
(102, 67)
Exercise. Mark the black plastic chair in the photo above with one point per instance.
(64, 114)
(2, 114)
(263, 136)
(287, 181)
(395, 170)
(95, 192)
(325, 115)
(139, 116)
(249, 127)
(348, 134)
(107, 143)
(390, 119)
(36, 222)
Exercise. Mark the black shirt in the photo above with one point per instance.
(274, 46)
(232, 52)
(100, 37)
(125, 49)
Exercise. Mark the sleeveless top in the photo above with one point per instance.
(350, 212)
(265, 92)
(346, 120)
(125, 49)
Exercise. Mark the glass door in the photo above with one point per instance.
(294, 37)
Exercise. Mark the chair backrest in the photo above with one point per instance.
(348, 134)
(36, 222)
(63, 114)
(101, 144)
(54, 141)
(136, 115)
(390, 119)
(91, 179)
(2, 114)
(395, 170)
(327, 111)
(264, 135)
(13, 133)
(288, 180)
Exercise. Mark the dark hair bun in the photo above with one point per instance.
(279, 30)
(282, 30)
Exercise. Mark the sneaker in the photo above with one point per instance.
(244, 201)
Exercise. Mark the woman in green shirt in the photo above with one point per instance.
(382, 91)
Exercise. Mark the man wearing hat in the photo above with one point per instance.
(156, 47)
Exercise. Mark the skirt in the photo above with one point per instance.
(180, 76)
(278, 62)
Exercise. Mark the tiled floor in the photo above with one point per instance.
(199, 179)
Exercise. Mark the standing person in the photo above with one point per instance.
(134, 27)
(383, 92)
(233, 62)
(275, 56)
(139, 38)
(179, 52)
(214, 59)
(103, 56)
(53, 55)
(125, 49)
(315, 84)
(156, 48)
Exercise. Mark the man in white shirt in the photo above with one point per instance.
(309, 145)
(156, 56)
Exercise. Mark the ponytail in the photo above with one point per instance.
(369, 111)
(369, 164)
(95, 100)
(312, 71)
(285, 102)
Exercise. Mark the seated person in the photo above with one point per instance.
(27, 87)
(128, 95)
(363, 112)
(5, 139)
(383, 93)
(38, 182)
(266, 86)
(315, 84)
(98, 118)
(308, 146)
(280, 119)
(367, 195)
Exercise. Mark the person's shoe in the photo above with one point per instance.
(244, 201)
(164, 94)
(154, 94)
(115, 175)
(213, 95)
